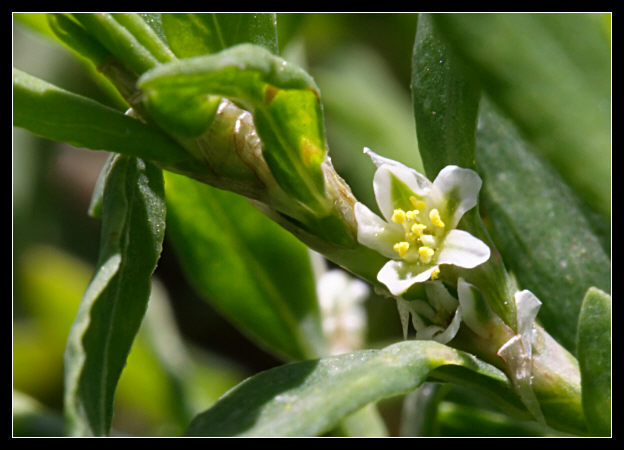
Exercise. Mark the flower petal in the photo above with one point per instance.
(462, 249)
(385, 186)
(404, 314)
(459, 188)
(374, 233)
(449, 333)
(398, 276)
(440, 297)
(428, 333)
(476, 313)
(527, 307)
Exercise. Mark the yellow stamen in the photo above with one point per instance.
(401, 248)
(418, 204)
(411, 215)
(418, 228)
(398, 216)
(425, 254)
(434, 216)
(436, 273)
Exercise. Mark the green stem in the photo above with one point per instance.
(556, 378)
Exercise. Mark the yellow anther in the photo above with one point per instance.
(411, 215)
(418, 204)
(401, 248)
(434, 216)
(425, 254)
(436, 273)
(418, 228)
(398, 216)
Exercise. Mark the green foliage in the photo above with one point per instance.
(54, 113)
(268, 287)
(309, 398)
(113, 306)
(274, 91)
(539, 225)
(200, 34)
(594, 352)
(445, 102)
(225, 140)
(550, 73)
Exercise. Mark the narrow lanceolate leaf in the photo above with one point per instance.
(117, 81)
(283, 99)
(57, 114)
(445, 105)
(308, 398)
(445, 102)
(538, 225)
(192, 34)
(594, 354)
(254, 272)
(133, 224)
(76, 37)
(122, 42)
(551, 73)
(145, 35)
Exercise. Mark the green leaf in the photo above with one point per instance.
(538, 226)
(114, 304)
(199, 34)
(109, 75)
(56, 114)
(76, 37)
(136, 52)
(445, 102)
(461, 420)
(283, 99)
(551, 74)
(308, 398)
(146, 35)
(165, 380)
(249, 268)
(445, 105)
(594, 353)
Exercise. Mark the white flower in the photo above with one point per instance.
(418, 233)
(341, 299)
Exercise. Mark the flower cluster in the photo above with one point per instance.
(419, 231)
